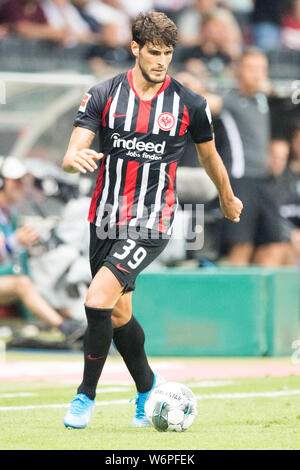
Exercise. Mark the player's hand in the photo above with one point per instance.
(83, 161)
(232, 208)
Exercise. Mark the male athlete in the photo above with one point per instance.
(143, 118)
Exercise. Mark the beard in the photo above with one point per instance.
(147, 76)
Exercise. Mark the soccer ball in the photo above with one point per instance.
(171, 406)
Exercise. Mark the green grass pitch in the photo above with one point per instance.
(240, 414)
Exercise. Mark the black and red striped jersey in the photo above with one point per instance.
(143, 142)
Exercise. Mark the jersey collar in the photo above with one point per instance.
(162, 88)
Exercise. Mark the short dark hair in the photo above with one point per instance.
(154, 27)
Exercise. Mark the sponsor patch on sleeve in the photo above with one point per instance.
(84, 102)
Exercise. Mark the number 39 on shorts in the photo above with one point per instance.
(136, 257)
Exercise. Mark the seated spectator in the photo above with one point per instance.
(189, 24)
(80, 5)
(63, 16)
(112, 24)
(113, 33)
(26, 18)
(291, 27)
(109, 31)
(218, 45)
(114, 16)
(242, 11)
(16, 285)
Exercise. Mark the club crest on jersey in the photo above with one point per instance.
(84, 102)
(166, 121)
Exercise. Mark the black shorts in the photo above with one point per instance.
(125, 257)
(260, 221)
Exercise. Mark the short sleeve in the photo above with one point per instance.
(90, 111)
(201, 127)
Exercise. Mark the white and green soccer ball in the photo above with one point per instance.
(171, 406)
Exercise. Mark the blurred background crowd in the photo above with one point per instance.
(212, 33)
(242, 55)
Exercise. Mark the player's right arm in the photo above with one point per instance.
(79, 157)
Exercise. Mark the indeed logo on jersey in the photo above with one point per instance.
(140, 146)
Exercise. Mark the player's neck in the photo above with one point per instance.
(146, 90)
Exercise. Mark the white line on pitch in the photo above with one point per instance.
(199, 397)
(211, 383)
(62, 405)
(248, 395)
(30, 394)
(17, 395)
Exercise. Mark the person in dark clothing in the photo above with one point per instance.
(245, 146)
(266, 20)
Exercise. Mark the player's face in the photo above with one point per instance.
(153, 61)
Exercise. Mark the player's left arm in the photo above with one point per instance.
(214, 167)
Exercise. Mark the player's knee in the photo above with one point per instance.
(97, 299)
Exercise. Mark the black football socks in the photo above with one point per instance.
(129, 340)
(97, 341)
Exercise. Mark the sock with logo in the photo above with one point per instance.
(129, 340)
(97, 341)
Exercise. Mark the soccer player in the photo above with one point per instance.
(143, 118)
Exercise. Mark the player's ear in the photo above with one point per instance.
(135, 49)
